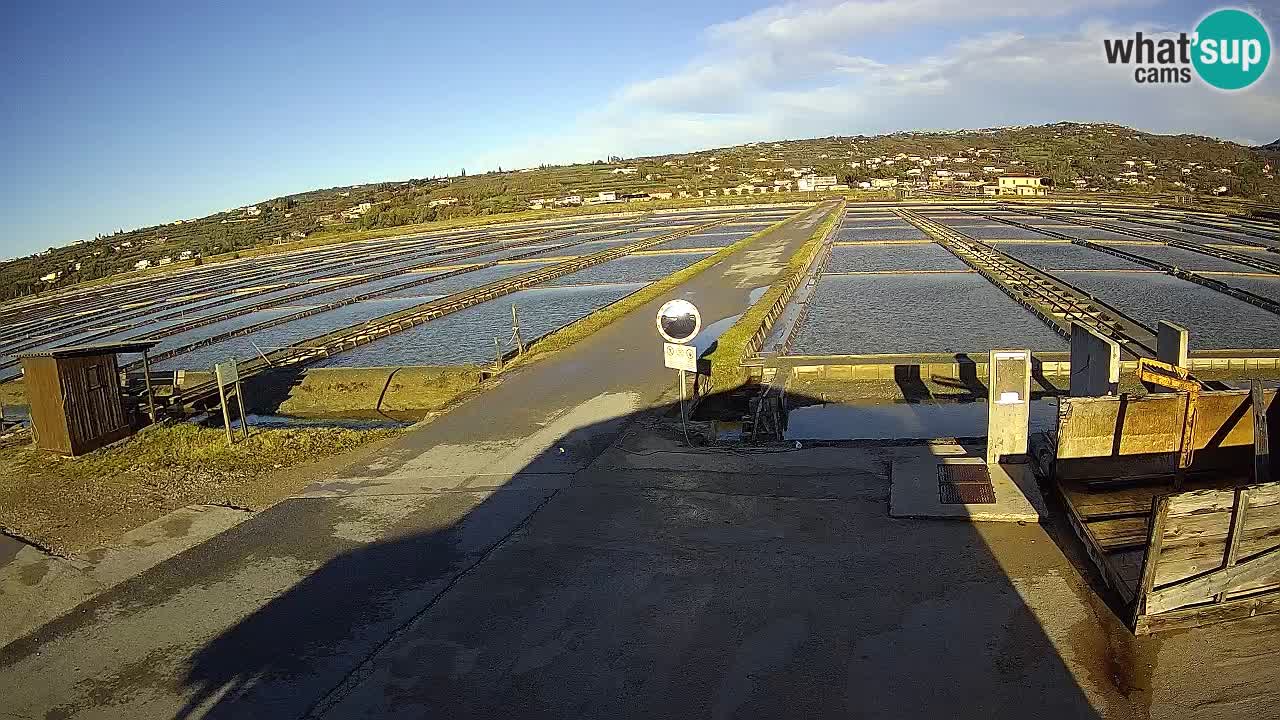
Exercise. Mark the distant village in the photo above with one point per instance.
(977, 171)
(1021, 161)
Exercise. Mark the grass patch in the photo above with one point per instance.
(76, 504)
(13, 392)
(403, 393)
(580, 329)
(727, 373)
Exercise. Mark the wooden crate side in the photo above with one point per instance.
(1105, 438)
(1100, 437)
(1121, 532)
(1215, 545)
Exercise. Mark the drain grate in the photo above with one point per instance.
(965, 484)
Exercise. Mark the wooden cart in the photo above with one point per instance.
(1180, 546)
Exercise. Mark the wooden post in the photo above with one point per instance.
(1261, 435)
(1151, 557)
(226, 415)
(151, 398)
(1238, 509)
(515, 331)
(244, 419)
(497, 346)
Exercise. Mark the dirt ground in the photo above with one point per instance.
(72, 505)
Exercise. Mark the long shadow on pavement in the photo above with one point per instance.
(617, 574)
(642, 592)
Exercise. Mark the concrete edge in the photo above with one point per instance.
(37, 588)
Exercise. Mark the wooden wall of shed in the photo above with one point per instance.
(44, 396)
(95, 416)
(1104, 437)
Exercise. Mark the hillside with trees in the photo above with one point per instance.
(1086, 158)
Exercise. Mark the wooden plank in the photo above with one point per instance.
(1124, 532)
(1096, 553)
(1264, 568)
(1261, 438)
(1151, 558)
(1096, 503)
(1237, 525)
(1189, 617)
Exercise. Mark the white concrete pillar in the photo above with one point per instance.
(1171, 344)
(1008, 403)
(1095, 363)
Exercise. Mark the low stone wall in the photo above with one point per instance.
(1051, 364)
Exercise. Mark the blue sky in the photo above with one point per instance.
(120, 115)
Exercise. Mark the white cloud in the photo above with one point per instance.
(789, 75)
(792, 72)
(792, 25)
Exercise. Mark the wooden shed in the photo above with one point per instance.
(75, 398)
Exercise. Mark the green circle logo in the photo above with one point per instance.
(1232, 49)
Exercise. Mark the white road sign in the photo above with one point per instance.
(227, 372)
(680, 357)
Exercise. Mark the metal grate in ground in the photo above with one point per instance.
(967, 484)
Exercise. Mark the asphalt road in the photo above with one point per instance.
(270, 618)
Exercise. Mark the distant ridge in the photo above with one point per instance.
(1090, 156)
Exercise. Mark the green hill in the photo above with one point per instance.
(1088, 157)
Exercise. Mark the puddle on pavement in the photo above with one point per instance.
(710, 333)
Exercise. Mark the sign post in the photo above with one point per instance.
(228, 375)
(678, 323)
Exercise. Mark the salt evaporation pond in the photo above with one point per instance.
(466, 337)
(940, 313)
(632, 268)
(1064, 256)
(880, 258)
(464, 281)
(1215, 320)
(1185, 259)
(703, 240)
(248, 346)
(886, 232)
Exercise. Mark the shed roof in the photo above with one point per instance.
(129, 346)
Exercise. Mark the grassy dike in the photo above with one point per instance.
(727, 372)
